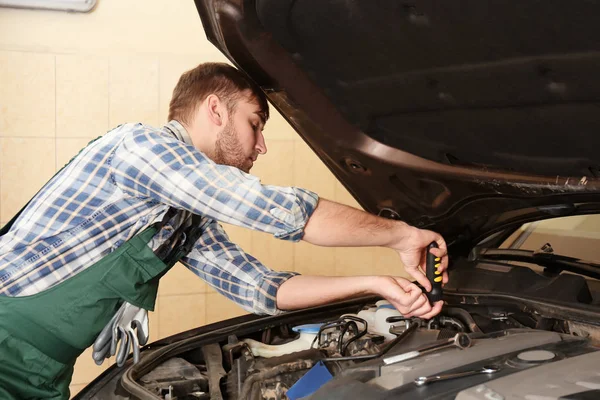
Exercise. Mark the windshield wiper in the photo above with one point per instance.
(544, 257)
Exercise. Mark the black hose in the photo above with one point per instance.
(454, 322)
(463, 315)
(411, 328)
(346, 328)
(344, 323)
(357, 336)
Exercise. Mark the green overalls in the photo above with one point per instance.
(42, 335)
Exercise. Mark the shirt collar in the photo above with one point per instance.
(179, 131)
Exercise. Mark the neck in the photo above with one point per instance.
(200, 139)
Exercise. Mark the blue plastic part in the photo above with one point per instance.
(386, 306)
(307, 328)
(316, 377)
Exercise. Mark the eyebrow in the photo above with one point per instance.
(261, 115)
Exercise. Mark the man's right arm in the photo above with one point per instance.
(150, 165)
(333, 224)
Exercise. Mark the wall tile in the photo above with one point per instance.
(240, 236)
(220, 308)
(27, 97)
(81, 96)
(180, 280)
(25, 166)
(277, 128)
(354, 261)
(181, 313)
(343, 196)
(154, 323)
(74, 389)
(311, 173)
(274, 253)
(211, 290)
(86, 369)
(277, 166)
(387, 262)
(133, 90)
(141, 26)
(314, 260)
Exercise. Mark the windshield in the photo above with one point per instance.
(576, 236)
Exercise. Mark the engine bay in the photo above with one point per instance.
(469, 351)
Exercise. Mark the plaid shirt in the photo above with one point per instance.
(127, 180)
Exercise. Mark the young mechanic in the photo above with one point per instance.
(105, 228)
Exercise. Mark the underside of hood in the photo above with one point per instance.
(464, 117)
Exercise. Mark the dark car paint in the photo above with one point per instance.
(464, 199)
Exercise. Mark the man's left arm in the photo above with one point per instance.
(260, 290)
(231, 271)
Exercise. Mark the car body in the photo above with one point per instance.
(475, 119)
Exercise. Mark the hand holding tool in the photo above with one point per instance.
(434, 275)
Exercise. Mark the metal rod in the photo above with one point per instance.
(460, 341)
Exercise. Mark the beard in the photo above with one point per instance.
(229, 151)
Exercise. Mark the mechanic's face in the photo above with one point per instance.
(241, 140)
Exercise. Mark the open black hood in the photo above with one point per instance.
(464, 117)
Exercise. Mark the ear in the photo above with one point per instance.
(217, 112)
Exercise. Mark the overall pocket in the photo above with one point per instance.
(132, 278)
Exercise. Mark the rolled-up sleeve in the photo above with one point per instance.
(158, 167)
(234, 273)
(299, 206)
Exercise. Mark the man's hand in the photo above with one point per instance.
(334, 224)
(412, 247)
(304, 291)
(407, 297)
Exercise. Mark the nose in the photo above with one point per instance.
(261, 146)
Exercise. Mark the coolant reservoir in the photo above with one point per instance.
(376, 318)
(308, 333)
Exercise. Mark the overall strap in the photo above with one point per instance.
(181, 243)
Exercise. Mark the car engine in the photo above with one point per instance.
(471, 351)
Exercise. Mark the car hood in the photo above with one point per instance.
(464, 117)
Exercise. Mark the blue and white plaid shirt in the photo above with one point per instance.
(127, 180)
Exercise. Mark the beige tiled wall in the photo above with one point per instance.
(67, 78)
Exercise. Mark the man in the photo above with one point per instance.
(106, 228)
